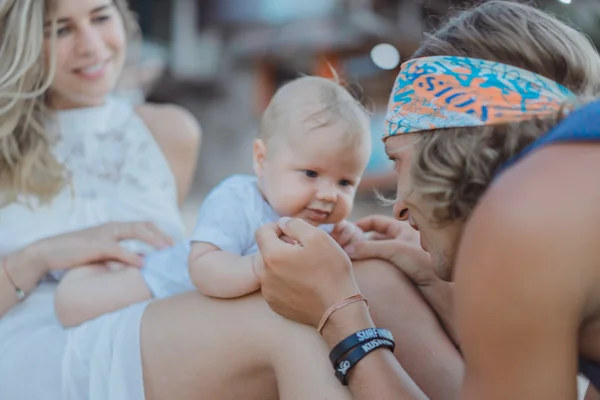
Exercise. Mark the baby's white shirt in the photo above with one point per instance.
(232, 213)
(228, 219)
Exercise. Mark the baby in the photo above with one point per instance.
(313, 147)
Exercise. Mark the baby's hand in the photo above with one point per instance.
(346, 233)
(258, 265)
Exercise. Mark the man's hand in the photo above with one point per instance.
(301, 281)
(397, 242)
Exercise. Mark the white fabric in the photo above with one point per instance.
(228, 218)
(118, 173)
(166, 272)
(231, 214)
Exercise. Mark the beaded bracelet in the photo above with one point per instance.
(356, 339)
(18, 291)
(348, 362)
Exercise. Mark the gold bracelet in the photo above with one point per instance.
(337, 306)
(18, 291)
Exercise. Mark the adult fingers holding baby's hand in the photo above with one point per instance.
(300, 281)
(345, 233)
(381, 227)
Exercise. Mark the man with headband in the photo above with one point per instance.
(494, 138)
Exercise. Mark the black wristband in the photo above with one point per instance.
(349, 361)
(357, 338)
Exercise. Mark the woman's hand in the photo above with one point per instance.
(300, 281)
(397, 242)
(98, 244)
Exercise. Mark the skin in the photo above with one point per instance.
(524, 351)
(187, 335)
(90, 53)
(91, 33)
(312, 173)
(440, 243)
(179, 136)
(308, 172)
(184, 337)
(89, 49)
(567, 294)
(592, 394)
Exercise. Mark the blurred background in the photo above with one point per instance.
(223, 60)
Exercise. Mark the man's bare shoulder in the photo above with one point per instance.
(542, 215)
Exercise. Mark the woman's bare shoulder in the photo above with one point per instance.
(178, 134)
(172, 122)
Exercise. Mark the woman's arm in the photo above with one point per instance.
(87, 292)
(221, 274)
(25, 268)
(74, 249)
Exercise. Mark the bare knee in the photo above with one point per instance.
(422, 346)
(387, 287)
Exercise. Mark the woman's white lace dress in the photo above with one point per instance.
(118, 173)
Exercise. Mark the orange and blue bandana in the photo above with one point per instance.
(451, 92)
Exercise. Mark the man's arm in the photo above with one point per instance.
(378, 375)
(524, 279)
(296, 285)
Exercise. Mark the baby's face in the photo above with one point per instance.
(314, 176)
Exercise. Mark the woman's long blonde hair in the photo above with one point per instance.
(27, 164)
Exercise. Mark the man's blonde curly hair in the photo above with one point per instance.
(453, 167)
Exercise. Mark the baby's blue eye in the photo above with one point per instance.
(310, 173)
(345, 182)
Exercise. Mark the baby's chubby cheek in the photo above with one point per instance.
(341, 211)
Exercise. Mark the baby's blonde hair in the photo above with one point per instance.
(27, 165)
(332, 103)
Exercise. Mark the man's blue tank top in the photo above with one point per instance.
(582, 125)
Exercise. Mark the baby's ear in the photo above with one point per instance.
(259, 150)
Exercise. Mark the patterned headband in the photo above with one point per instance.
(450, 92)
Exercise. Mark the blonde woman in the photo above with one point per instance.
(71, 158)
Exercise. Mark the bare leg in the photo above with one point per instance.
(422, 346)
(592, 393)
(194, 347)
